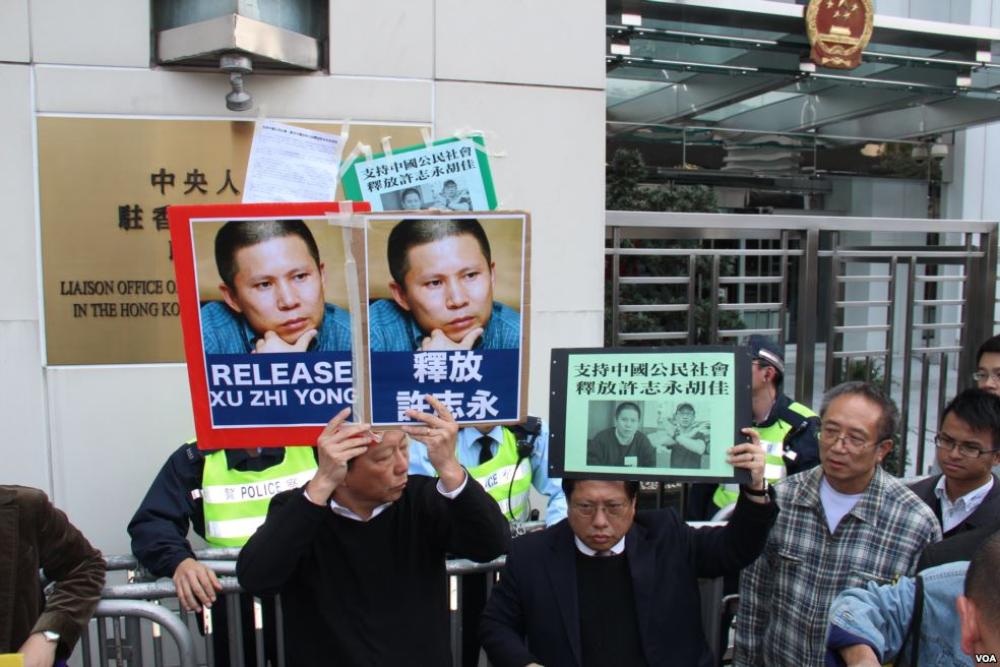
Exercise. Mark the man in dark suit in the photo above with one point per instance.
(613, 586)
(966, 494)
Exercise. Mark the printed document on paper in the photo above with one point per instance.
(292, 164)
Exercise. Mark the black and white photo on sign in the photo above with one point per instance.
(448, 194)
(649, 433)
(413, 198)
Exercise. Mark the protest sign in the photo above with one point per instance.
(451, 174)
(664, 413)
(447, 312)
(266, 319)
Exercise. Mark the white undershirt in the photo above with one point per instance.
(954, 513)
(836, 505)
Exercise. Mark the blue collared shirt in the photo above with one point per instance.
(227, 332)
(467, 452)
(394, 329)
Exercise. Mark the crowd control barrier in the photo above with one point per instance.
(138, 623)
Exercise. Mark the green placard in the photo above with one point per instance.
(666, 413)
(450, 174)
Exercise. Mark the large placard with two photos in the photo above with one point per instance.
(447, 314)
(648, 414)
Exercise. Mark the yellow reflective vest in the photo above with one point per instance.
(235, 501)
(497, 474)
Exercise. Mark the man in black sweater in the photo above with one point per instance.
(359, 556)
(612, 586)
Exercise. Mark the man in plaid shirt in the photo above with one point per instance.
(841, 525)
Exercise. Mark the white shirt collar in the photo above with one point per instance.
(971, 499)
(617, 549)
(470, 434)
(350, 514)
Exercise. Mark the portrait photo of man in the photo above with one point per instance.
(407, 199)
(624, 443)
(686, 432)
(271, 292)
(436, 286)
(453, 198)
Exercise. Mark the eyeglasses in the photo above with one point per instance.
(830, 434)
(966, 449)
(614, 508)
(983, 376)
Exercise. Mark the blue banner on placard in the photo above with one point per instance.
(280, 389)
(476, 385)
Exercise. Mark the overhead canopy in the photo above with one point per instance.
(680, 69)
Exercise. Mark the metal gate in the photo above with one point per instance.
(903, 303)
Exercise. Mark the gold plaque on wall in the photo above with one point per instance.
(104, 185)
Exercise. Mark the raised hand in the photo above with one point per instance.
(439, 433)
(439, 341)
(337, 445)
(272, 342)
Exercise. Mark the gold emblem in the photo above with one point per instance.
(839, 30)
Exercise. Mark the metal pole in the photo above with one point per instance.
(615, 287)
(925, 378)
(234, 624)
(691, 298)
(714, 327)
(890, 320)
(833, 311)
(904, 407)
(102, 638)
(808, 314)
(783, 290)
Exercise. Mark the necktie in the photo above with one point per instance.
(485, 443)
(604, 553)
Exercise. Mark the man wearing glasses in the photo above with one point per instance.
(987, 374)
(965, 495)
(841, 525)
(612, 586)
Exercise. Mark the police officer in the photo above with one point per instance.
(787, 428)
(224, 494)
(507, 462)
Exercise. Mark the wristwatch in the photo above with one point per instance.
(51, 636)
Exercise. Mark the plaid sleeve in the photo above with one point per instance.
(752, 618)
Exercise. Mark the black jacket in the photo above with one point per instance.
(533, 614)
(986, 514)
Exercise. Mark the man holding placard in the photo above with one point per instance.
(613, 586)
(358, 556)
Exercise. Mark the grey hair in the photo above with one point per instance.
(888, 422)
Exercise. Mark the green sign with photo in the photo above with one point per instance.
(668, 413)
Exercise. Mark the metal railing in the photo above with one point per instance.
(138, 614)
(904, 303)
(134, 616)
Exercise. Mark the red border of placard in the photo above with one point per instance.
(179, 218)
